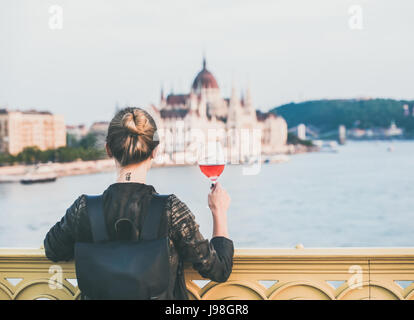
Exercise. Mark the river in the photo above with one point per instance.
(362, 196)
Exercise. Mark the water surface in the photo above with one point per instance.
(361, 196)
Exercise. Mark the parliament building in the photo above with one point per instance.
(204, 108)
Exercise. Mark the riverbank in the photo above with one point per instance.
(16, 172)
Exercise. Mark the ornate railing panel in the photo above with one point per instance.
(344, 273)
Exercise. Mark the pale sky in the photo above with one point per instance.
(121, 51)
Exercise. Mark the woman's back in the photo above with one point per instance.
(130, 201)
(132, 141)
(121, 202)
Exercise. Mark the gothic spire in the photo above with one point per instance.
(162, 92)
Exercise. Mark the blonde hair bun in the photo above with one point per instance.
(131, 136)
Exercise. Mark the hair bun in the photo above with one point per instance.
(136, 122)
(131, 136)
(128, 122)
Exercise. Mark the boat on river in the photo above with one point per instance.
(277, 158)
(39, 174)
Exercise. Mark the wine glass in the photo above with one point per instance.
(212, 161)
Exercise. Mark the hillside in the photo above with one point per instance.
(329, 114)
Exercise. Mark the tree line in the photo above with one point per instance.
(327, 115)
(85, 149)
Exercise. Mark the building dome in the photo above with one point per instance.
(204, 79)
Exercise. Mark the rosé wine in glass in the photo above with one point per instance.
(212, 171)
(212, 161)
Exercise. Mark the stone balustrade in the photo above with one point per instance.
(337, 273)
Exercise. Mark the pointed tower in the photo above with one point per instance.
(234, 112)
(248, 104)
(162, 93)
(190, 118)
(163, 101)
(204, 62)
(248, 99)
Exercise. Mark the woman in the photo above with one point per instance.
(130, 141)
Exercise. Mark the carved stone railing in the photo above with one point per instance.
(344, 273)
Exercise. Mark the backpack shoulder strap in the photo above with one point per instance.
(153, 217)
(94, 206)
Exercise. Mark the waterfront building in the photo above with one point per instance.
(377, 133)
(357, 133)
(99, 130)
(301, 131)
(77, 131)
(99, 126)
(204, 108)
(406, 110)
(393, 130)
(21, 129)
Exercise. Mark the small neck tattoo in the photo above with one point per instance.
(128, 176)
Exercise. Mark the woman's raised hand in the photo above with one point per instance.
(219, 202)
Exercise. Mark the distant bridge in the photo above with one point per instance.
(305, 132)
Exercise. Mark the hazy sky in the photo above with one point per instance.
(121, 51)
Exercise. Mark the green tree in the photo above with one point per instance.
(6, 159)
(29, 155)
(327, 115)
(33, 155)
(89, 141)
(294, 139)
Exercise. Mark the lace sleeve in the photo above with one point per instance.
(212, 259)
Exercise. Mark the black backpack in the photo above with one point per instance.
(127, 270)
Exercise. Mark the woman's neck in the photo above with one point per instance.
(136, 173)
